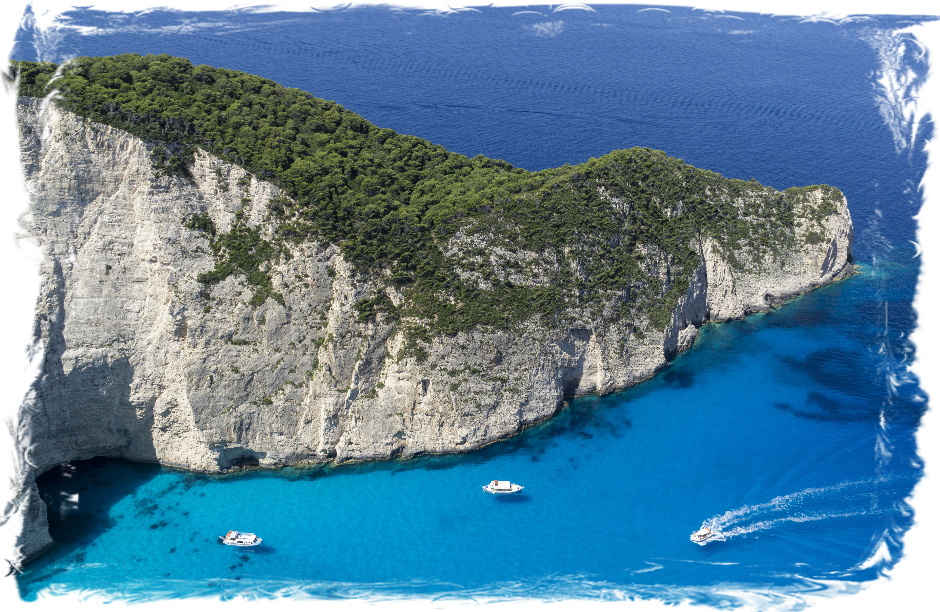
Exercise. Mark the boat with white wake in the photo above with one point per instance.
(502, 486)
(703, 535)
(237, 538)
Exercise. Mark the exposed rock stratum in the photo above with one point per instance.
(136, 366)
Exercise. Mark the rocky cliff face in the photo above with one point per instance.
(137, 367)
(24, 531)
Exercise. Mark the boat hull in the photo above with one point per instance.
(491, 489)
(255, 543)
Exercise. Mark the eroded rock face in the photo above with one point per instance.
(24, 530)
(138, 366)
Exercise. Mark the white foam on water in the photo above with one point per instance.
(842, 500)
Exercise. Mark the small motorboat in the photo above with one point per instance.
(702, 536)
(237, 538)
(502, 486)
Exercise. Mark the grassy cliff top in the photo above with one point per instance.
(600, 233)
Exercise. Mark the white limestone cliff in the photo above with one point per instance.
(26, 505)
(137, 367)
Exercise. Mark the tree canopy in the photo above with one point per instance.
(393, 202)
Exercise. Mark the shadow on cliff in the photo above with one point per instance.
(79, 496)
(88, 403)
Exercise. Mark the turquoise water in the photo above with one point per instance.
(764, 418)
(790, 432)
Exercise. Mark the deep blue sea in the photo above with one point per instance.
(790, 432)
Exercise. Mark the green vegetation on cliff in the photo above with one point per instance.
(616, 235)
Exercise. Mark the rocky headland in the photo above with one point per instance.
(148, 360)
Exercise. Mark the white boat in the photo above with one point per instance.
(237, 538)
(502, 486)
(702, 536)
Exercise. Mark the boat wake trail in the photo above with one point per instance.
(877, 495)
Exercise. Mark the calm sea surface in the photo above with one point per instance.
(790, 432)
